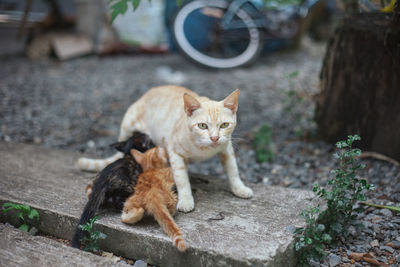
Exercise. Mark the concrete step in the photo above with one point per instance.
(21, 249)
(252, 232)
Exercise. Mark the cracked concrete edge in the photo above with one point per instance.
(20, 249)
(130, 245)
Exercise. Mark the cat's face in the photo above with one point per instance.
(211, 123)
(154, 158)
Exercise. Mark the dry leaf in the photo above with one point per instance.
(374, 261)
(356, 256)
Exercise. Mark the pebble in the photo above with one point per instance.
(314, 263)
(333, 260)
(352, 230)
(140, 263)
(290, 228)
(385, 212)
(387, 248)
(374, 243)
(33, 231)
(396, 244)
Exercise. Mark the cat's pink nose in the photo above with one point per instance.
(214, 138)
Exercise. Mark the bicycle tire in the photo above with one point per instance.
(199, 55)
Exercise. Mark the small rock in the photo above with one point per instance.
(314, 263)
(290, 228)
(33, 231)
(374, 243)
(265, 180)
(395, 244)
(91, 144)
(352, 230)
(333, 260)
(107, 254)
(385, 212)
(345, 259)
(140, 263)
(398, 259)
(387, 248)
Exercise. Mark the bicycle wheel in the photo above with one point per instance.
(200, 34)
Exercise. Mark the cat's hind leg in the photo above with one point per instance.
(132, 215)
(160, 212)
(132, 211)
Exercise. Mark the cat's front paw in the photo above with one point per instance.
(242, 192)
(185, 204)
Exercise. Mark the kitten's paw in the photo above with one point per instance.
(185, 204)
(132, 216)
(243, 192)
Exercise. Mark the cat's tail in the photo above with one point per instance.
(164, 218)
(87, 164)
(96, 198)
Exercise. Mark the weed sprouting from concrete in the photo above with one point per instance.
(25, 213)
(89, 241)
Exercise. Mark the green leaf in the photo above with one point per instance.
(9, 205)
(118, 8)
(320, 227)
(135, 4)
(179, 2)
(326, 238)
(24, 228)
(33, 214)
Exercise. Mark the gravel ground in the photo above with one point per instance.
(78, 105)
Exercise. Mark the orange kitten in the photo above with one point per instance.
(154, 194)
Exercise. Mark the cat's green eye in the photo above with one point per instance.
(202, 126)
(224, 125)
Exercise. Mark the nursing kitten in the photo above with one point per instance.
(190, 127)
(114, 183)
(154, 195)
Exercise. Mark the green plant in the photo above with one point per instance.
(119, 7)
(89, 242)
(262, 144)
(343, 191)
(24, 213)
(392, 208)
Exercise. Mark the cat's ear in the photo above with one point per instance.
(119, 146)
(137, 155)
(191, 104)
(231, 101)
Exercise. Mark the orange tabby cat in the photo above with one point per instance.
(154, 194)
(190, 128)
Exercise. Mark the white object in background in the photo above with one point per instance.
(144, 26)
(166, 75)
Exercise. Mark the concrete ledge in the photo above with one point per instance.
(20, 249)
(252, 232)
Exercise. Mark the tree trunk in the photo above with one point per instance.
(360, 85)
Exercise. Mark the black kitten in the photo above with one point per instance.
(115, 182)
